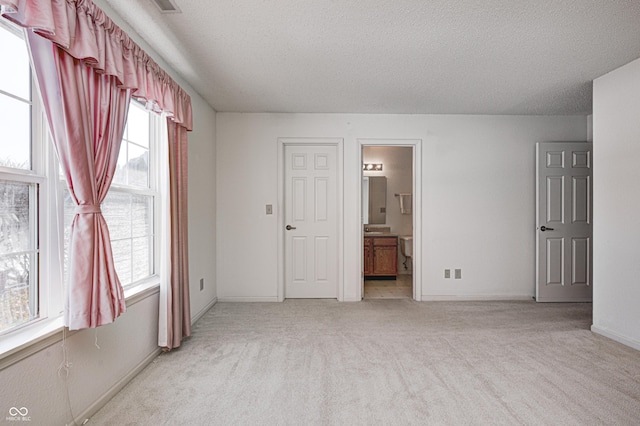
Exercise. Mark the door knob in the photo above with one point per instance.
(289, 227)
(544, 228)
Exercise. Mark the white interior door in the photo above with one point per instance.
(311, 246)
(563, 224)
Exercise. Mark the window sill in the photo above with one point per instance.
(141, 290)
(16, 346)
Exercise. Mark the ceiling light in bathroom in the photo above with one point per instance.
(372, 167)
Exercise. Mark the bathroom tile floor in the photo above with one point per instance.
(400, 288)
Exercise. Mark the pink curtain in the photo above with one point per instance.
(84, 31)
(87, 113)
(88, 69)
(178, 312)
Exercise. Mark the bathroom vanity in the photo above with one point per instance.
(380, 256)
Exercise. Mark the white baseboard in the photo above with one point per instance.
(248, 299)
(117, 387)
(203, 311)
(476, 298)
(617, 337)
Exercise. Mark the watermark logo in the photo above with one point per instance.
(18, 415)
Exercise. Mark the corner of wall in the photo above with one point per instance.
(616, 130)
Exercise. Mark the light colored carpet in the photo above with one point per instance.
(387, 362)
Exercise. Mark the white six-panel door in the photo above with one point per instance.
(310, 198)
(563, 224)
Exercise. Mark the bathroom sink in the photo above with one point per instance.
(377, 230)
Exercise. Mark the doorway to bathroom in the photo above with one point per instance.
(390, 208)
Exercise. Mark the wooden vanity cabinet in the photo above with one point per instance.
(380, 256)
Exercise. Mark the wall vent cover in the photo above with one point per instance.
(167, 6)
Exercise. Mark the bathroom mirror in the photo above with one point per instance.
(374, 200)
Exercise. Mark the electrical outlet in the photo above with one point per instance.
(201, 284)
(458, 274)
(269, 209)
(447, 273)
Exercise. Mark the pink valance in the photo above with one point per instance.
(84, 31)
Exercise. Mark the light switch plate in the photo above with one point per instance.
(458, 274)
(447, 273)
(269, 209)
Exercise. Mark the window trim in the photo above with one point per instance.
(36, 175)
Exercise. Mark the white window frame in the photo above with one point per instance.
(49, 299)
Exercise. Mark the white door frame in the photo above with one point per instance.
(339, 144)
(416, 262)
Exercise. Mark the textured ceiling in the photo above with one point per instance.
(393, 56)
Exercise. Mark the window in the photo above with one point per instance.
(36, 208)
(18, 253)
(20, 180)
(129, 207)
(130, 204)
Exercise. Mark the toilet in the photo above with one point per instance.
(406, 248)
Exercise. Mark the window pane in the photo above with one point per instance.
(15, 235)
(138, 166)
(15, 75)
(130, 221)
(120, 176)
(141, 258)
(133, 166)
(116, 210)
(17, 295)
(18, 256)
(141, 215)
(133, 159)
(122, 259)
(138, 125)
(15, 133)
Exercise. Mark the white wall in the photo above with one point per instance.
(616, 202)
(477, 190)
(202, 207)
(95, 373)
(131, 342)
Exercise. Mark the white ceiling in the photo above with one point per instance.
(393, 56)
